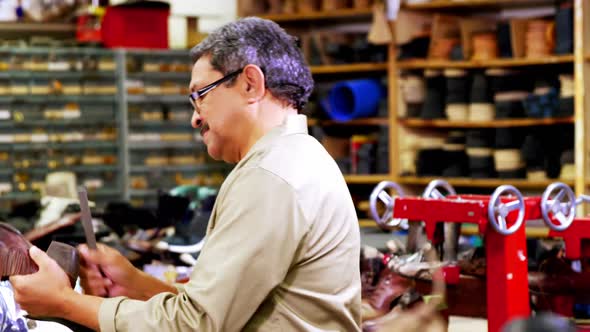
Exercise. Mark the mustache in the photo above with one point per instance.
(204, 128)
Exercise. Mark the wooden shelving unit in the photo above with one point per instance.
(481, 183)
(475, 4)
(579, 61)
(419, 123)
(531, 231)
(520, 62)
(320, 15)
(42, 28)
(356, 122)
(366, 179)
(367, 223)
(349, 68)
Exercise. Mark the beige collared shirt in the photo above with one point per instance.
(281, 252)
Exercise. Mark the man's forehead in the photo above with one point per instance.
(201, 72)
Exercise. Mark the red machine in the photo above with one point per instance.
(505, 211)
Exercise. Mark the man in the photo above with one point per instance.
(282, 246)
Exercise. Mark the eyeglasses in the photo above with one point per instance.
(194, 96)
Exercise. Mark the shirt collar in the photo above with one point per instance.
(293, 124)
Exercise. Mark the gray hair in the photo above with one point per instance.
(263, 43)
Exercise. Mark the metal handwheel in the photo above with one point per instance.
(559, 200)
(498, 211)
(432, 190)
(385, 221)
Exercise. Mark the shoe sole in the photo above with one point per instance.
(180, 249)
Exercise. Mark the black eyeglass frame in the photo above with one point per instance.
(206, 89)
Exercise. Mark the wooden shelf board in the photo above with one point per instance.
(419, 123)
(367, 223)
(366, 179)
(356, 122)
(348, 68)
(483, 183)
(448, 4)
(319, 15)
(441, 64)
(41, 28)
(531, 231)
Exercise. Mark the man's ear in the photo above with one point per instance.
(253, 87)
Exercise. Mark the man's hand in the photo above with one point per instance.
(120, 277)
(42, 293)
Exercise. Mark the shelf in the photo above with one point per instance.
(178, 168)
(160, 123)
(159, 99)
(449, 4)
(481, 183)
(57, 99)
(20, 195)
(107, 192)
(320, 15)
(143, 192)
(160, 76)
(58, 74)
(158, 52)
(163, 145)
(40, 28)
(500, 123)
(356, 122)
(77, 169)
(366, 179)
(348, 68)
(367, 223)
(531, 231)
(55, 123)
(442, 64)
(58, 146)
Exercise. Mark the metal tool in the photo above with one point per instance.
(86, 218)
(87, 224)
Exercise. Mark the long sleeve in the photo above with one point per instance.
(257, 228)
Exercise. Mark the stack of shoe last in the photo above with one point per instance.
(566, 96)
(508, 160)
(413, 92)
(480, 107)
(431, 158)
(457, 98)
(479, 145)
(434, 103)
(457, 162)
(533, 154)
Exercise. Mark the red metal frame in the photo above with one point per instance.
(573, 236)
(507, 268)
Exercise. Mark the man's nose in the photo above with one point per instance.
(196, 121)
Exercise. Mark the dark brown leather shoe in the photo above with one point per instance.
(370, 270)
(14, 253)
(15, 259)
(391, 286)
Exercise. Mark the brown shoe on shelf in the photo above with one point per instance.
(390, 288)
